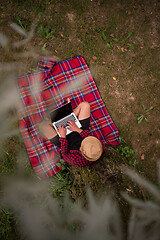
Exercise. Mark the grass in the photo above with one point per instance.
(23, 23)
(126, 71)
(45, 32)
(122, 44)
(7, 225)
(143, 116)
(60, 183)
(128, 153)
(9, 156)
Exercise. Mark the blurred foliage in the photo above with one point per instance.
(44, 217)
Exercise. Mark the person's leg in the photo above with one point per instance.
(82, 111)
(47, 130)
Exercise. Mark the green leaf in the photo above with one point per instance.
(58, 165)
(143, 106)
(129, 35)
(134, 163)
(62, 161)
(44, 46)
(115, 39)
(63, 167)
(131, 46)
(140, 119)
(146, 119)
(141, 116)
(104, 36)
(109, 45)
(149, 109)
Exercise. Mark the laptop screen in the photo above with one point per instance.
(61, 112)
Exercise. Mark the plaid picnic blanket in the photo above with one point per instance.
(48, 89)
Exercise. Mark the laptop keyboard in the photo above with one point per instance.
(64, 121)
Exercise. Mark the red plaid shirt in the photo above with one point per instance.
(75, 157)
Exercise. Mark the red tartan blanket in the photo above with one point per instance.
(49, 88)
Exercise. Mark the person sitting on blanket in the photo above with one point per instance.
(78, 148)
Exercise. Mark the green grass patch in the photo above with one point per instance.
(8, 225)
(127, 152)
(61, 182)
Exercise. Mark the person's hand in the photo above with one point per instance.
(73, 127)
(62, 131)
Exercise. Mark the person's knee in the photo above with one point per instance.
(83, 110)
(85, 105)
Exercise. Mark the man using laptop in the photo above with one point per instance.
(78, 148)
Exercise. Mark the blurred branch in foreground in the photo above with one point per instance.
(144, 221)
(43, 217)
(10, 67)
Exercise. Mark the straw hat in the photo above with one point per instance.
(91, 148)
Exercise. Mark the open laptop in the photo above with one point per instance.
(61, 115)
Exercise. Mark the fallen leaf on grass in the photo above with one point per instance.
(122, 49)
(44, 46)
(128, 190)
(94, 58)
(142, 157)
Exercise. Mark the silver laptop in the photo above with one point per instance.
(62, 115)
